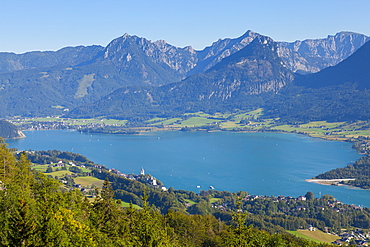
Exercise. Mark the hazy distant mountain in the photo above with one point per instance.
(338, 93)
(308, 56)
(220, 49)
(50, 83)
(127, 60)
(125, 50)
(312, 55)
(355, 70)
(68, 56)
(9, 130)
(253, 70)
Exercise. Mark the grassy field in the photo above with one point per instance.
(229, 125)
(221, 115)
(59, 173)
(214, 199)
(339, 131)
(285, 127)
(197, 121)
(319, 124)
(252, 121)
(127, 204)
(250, 115)
(199, 113)
(41, 168)
(167, 121)
(89, 181)
(317, 236)
(190, 201)
(123, 204)
(357, 133)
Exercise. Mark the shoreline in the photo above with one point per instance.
(335, 182)
(143, 130)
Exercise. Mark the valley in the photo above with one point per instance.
(75, 171)
(198, 121)
(228, 106)
(253, 121)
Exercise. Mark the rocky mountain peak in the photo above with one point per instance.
(249, 64)
(312, 55)
(177, 61)
(160, 43)
(221, 49)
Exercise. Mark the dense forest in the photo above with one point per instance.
(9, 130)
(360, 170)
(210, 218)
(36, 211)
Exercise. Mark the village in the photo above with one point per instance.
(299, 205)
(295, 206)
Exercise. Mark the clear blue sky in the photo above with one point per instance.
(52, 24)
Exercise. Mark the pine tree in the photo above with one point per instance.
(7, 163)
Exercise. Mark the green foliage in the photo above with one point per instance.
(75, 169)
(130, 190)
(335, 103)
(53, 156)
(236, 82)
(360, 170)
(309, 195)
(8, 130)
(34, 211)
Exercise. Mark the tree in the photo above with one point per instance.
(7, 162)
(309, 196)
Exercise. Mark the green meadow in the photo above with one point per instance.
(89, 181)
(70, 121)
(59, 173)
(317, 236)
(214, 199)
(167, 121)
(190, 201)
(127, 204)
(237, 121)
(198, 121)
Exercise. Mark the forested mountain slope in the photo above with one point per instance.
(233, 82)
(36, 211)
(9, 130)
(52, 83)
(338, 93)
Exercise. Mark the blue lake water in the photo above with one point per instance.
(260, 163)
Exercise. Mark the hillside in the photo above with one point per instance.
(338, 93)
(251, 78)
(53, 83)
(68, 56)
(36, 211)
(9, 130)
(313, 55)
(233, 82)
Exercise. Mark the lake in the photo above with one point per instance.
(260, 163)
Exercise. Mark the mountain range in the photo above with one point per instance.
(133, 75)
(337, 93)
